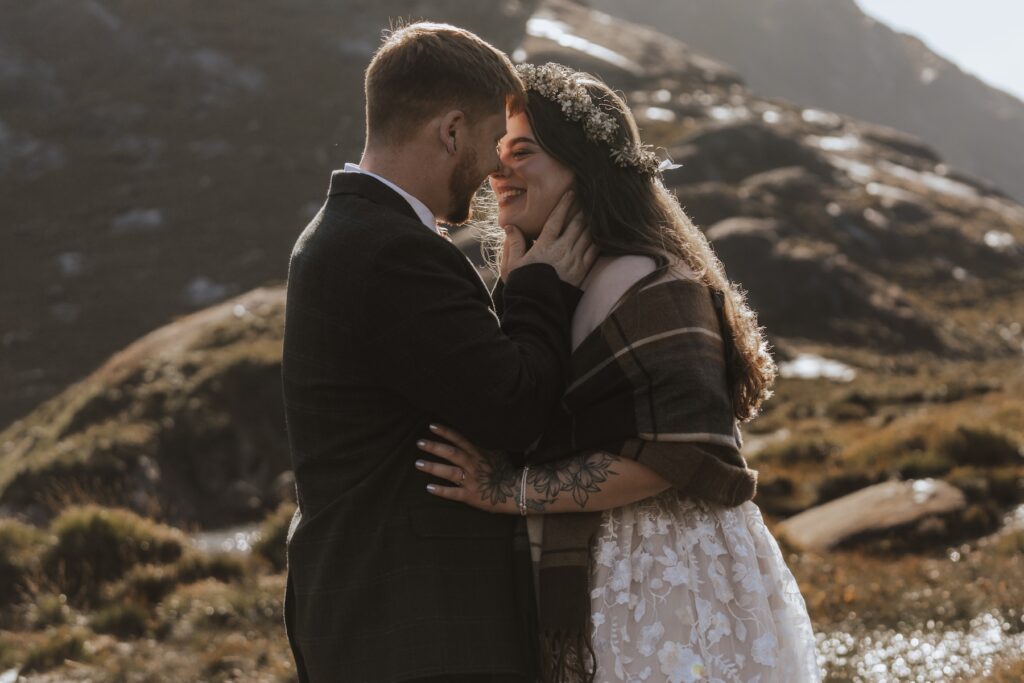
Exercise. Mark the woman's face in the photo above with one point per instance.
(529, 181)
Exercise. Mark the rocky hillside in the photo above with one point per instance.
(832, 55)
(185, 425)
(856, 242)
(157, 157)
(845, 232)
(189, 143)
(890, 284)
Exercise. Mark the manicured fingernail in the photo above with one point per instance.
(421, 443)
(421, 464)
(434, 428)
(431, 487)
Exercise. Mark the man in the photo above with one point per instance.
(388, 329)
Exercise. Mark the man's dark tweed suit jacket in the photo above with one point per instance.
(388, 327)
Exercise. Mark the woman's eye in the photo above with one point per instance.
(520, 153)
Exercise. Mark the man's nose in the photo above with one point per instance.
(501, 169)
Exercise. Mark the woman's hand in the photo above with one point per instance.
(564, 243)
(589, 481)
(482, 480)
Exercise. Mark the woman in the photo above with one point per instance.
(685, 581)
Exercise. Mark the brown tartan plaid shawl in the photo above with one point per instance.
(650, 384)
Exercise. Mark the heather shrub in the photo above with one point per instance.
(979, 446)
(20, 546)
(52, 653)
(123, 619)
(49, 610)
(798, 450)
(923, 464)
(96, 545)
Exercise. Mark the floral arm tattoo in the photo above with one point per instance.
(578, 476)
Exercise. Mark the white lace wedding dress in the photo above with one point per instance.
(684, 591)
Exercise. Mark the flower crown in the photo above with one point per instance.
(556, 83)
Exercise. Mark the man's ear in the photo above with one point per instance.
(452, 129)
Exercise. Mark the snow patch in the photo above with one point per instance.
(729, 114)
(658, 114)
(811, 366)
(999, 240)
(561, 33)
(821, 118)
(845, 143)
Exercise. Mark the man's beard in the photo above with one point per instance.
(462, 189)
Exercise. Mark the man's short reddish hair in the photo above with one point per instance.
(424, 69)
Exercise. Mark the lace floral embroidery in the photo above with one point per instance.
(685, 592)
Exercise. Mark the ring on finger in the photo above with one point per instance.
(462, 479)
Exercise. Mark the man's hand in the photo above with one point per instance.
(564, 244)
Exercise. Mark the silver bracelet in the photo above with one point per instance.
(522, 492)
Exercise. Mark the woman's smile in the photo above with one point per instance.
(529, 181)
(506, 197)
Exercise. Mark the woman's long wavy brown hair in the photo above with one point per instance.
(632, 213)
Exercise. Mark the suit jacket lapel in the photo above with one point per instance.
(371, 188)
(379, 193)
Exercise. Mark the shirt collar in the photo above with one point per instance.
(425, 214)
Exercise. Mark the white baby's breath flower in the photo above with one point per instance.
(556, 83)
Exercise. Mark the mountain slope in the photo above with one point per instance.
(855, 242)
(832, 55)
(158, 157)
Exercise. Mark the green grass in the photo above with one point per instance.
(928, 423)
(141, 605)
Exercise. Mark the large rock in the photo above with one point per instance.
(734, 151)
(710, 202)
(870, 512)
(805, 289)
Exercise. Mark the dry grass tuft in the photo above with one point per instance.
(54, 651)
(20, 546)
(96, 545)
